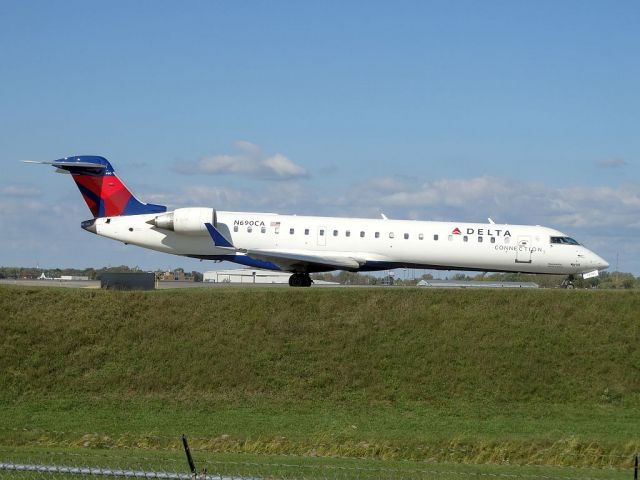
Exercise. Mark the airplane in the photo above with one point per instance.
(303, 245)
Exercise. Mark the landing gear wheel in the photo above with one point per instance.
(300, 280)
(568, 282)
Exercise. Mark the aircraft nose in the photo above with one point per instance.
(599, 262)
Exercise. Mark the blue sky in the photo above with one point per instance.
(528, 112)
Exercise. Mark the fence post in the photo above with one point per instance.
(192, 466)
(635, 468)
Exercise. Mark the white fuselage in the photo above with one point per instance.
(376, 244)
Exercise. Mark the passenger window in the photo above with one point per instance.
(406, 236)
(377, 235)
(249, 229)
(479, 239)
(322, 233)
(435, 237)
(277, 230)
(450, 237)
(335, 233)
(306, 231)
(348, 233)
(291, 230)
(465, 239)
(108, 220)
(361, 234)
(493, 239)
(391, 235)
(235, 228)
(421, 237)
(507, 239)
(263, 230)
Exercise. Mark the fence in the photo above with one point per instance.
(41, 464)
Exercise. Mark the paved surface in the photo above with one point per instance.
(172, 284)
(161, 285)
(53, 283)
(165, 284)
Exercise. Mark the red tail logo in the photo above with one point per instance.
(456, 231)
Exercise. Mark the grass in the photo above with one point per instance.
(492, 377)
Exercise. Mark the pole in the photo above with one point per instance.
(192, 465)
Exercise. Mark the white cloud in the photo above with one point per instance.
(611, 163)
(288, 197)
(470, 199)
(474, 199)
(249, 162)
(217, 197)
(19, 208)
(19, 191)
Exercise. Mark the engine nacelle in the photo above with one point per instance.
(189, 221)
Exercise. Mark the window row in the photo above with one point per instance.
(347, 233)
(465, 238)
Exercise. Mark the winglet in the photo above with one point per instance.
(217, 237)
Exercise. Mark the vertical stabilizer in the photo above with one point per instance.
(103, 191)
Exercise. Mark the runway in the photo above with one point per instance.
(163, 285)
(166, 285)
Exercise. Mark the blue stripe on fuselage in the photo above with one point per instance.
(240, 259)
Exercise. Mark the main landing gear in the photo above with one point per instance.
(567, 282)
(300, 280)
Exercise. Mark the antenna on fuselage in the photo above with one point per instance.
(384, 217)
(491, 221)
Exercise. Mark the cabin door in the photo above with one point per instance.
(523, 255)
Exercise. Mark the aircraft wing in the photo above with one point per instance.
(290, 260)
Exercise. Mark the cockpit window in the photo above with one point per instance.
(564, 240)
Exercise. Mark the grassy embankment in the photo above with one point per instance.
(524, 377)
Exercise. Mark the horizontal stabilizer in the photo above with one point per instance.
(61, 164)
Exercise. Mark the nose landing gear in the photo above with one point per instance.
(300, 280)
(567, 282)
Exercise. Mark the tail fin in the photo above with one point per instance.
(104, 192)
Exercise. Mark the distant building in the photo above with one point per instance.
(252, 275)
(474, 284)
(74, 278)
(177, 275)
(246, 275)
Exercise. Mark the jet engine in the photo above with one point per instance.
(189, 221)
